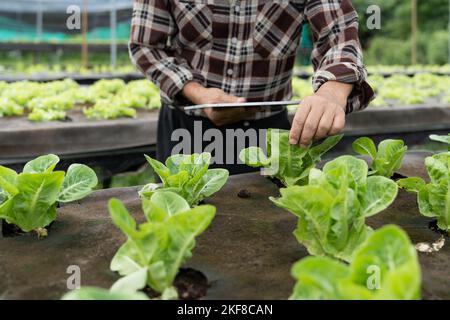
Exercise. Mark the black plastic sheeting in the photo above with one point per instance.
(246, 253)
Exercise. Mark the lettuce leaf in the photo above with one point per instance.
(187, 175)
(385, 267)
(387, 159)
(433, 198)
(93, 293)
(78, 183)
(288, 163)
(442, 138)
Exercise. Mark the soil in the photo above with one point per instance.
(245, 254)
(277, 182)
(432, 225)
(397, 176)
(11, 230)
(67, 119)
(426, 295)
(244, 193)
(190, 284)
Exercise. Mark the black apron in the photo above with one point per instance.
(171, 119)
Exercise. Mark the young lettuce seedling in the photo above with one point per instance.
(288, 163)
(126, 288)
(433, 198)
(443, 139)
(387, 159)
(187, 175)
(385, 267)
(28, 200)
(155, 250)
(333, 207)
(94, 293)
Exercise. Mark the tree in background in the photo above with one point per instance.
(391, 44)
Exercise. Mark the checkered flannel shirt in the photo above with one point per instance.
(246, 48)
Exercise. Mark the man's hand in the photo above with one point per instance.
(201, 95)
(320, 115)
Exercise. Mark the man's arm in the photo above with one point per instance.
(322, 114)
(340, 78)
(152, 30)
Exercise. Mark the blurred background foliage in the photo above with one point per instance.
(391, 44)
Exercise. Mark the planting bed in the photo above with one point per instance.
(80, 78)
(115, 145)
(246, 253)
(399, 119)
(20, 139)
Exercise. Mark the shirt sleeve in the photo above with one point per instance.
(152, 32)
(337, 53)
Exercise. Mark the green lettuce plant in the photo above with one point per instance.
(443, 139)
(43, 115)
(385, 267)
(187, 175)
(434, 197)
(288, 163)
(8, 107)
(94, 293)
(126, 288)
(332, 209)
(386, 159)
(28, 200)
(155, 250)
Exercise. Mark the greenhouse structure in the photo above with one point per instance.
(222, 150)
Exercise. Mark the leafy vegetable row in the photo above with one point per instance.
(331, 205)
(106, 99)
(110, 99)
(410, 90)
(395, 90)
(156, 249)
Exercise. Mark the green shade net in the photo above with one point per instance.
(19, 31)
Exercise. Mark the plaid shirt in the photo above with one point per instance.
(246, 47)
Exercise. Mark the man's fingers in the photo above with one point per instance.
(226, 98)
(325, 124)
(311, 124)
(338, 124)
(298, 122)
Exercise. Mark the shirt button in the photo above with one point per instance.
(237, 9)
(234, 40)
(246, 124)
(230, 72)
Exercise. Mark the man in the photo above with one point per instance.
(223, 51)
